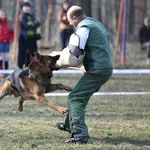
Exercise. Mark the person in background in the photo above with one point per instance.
(144, 38)
(6, 37)
(92, 38)
(65, 28)
(27, 36)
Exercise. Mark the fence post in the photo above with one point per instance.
(118, 32)
(124, 34)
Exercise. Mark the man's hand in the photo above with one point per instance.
(83, 69)
(77, 68)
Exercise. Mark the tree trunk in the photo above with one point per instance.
(38, 17)
(104, 12)
(146, 8)
(0, 3)
(86, 5)
(131, 17)
(114, 14)
(16, 30)
(99, 10)
(96, 9)
(47, 26)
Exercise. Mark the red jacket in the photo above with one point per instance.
(6, 35)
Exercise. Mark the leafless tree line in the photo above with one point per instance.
(107, 11)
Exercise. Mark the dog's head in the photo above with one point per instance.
(41, 66)
(45, 61)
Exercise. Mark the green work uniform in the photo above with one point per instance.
(98, 65)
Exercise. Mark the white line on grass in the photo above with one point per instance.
(115, 71)
(103, 93)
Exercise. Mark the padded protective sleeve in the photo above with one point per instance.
(75, 51)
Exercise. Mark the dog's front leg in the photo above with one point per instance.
(4, 89)
(54, 87)
(43, 100)
(20, 108)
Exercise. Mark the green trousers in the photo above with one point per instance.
(89, 83)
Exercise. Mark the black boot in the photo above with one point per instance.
(78, 140)
(62, 126)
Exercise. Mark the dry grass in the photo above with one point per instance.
(115, 122)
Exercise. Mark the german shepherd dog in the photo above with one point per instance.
(34, 81)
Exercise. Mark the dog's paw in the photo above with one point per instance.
(20, 109)
(68, 88)
(62, 110)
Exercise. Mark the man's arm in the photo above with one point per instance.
(78, 41)
(82, 35)
(73, 54)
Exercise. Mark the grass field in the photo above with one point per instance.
(115, 122)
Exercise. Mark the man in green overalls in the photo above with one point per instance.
(94, 41)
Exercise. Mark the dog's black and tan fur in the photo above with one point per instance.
(33, 82)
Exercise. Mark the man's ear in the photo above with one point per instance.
(74, 18)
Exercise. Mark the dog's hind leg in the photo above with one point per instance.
(43, 100)
(21, 101)
(54, 87)
(4, 89)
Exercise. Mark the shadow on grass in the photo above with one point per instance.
(119, 140)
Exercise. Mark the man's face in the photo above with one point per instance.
(26, 9)
(72, 20)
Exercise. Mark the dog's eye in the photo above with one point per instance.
(49, 61)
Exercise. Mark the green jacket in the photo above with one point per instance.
(98, 53)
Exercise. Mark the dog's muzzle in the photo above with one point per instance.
(53, 67)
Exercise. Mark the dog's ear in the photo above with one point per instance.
(37, 55)
(56, 57)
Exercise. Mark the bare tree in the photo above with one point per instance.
(16, 30)
(86, 5)
(0, 3)
(48, 25)
(131, 17)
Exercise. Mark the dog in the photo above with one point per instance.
(34, 81)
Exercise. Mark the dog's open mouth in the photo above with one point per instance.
(53, 66)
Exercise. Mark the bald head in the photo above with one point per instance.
(76, 11)
(75, 15)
